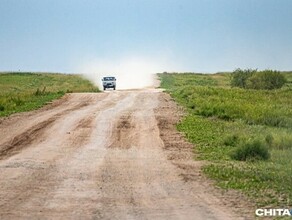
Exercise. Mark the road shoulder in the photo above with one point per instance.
(181, 153)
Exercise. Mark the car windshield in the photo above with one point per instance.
(108, 78)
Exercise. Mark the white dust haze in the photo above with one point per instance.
(131, 73)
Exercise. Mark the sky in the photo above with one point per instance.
(108, 36)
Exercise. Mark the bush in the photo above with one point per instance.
(239, 77)
(2, 108)
(252, 79)
(267, 79)
(251, 150)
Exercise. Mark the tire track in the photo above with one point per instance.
(122, 135)
(32, 134)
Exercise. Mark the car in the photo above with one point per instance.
(109, 82)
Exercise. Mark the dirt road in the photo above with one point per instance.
(101, 156)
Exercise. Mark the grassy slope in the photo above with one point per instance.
(217, 112)
(27, 91)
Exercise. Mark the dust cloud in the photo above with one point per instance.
(131, 73)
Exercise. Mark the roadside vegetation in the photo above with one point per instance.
(21, 92)
(245, 132)
(254, 79)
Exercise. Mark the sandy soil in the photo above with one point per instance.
(112, 155)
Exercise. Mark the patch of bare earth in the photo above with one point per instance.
(181, 153)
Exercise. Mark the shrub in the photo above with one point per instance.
(251, 150)
(2, 108)
(239, 77)
(252, 79)
(267, 79)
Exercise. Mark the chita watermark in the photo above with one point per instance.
(273, 212)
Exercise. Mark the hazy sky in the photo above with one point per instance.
(157, 35)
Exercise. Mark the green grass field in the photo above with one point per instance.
(221, 121)
(21, 92)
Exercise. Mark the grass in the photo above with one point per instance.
(21, 92)
(254, 125)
